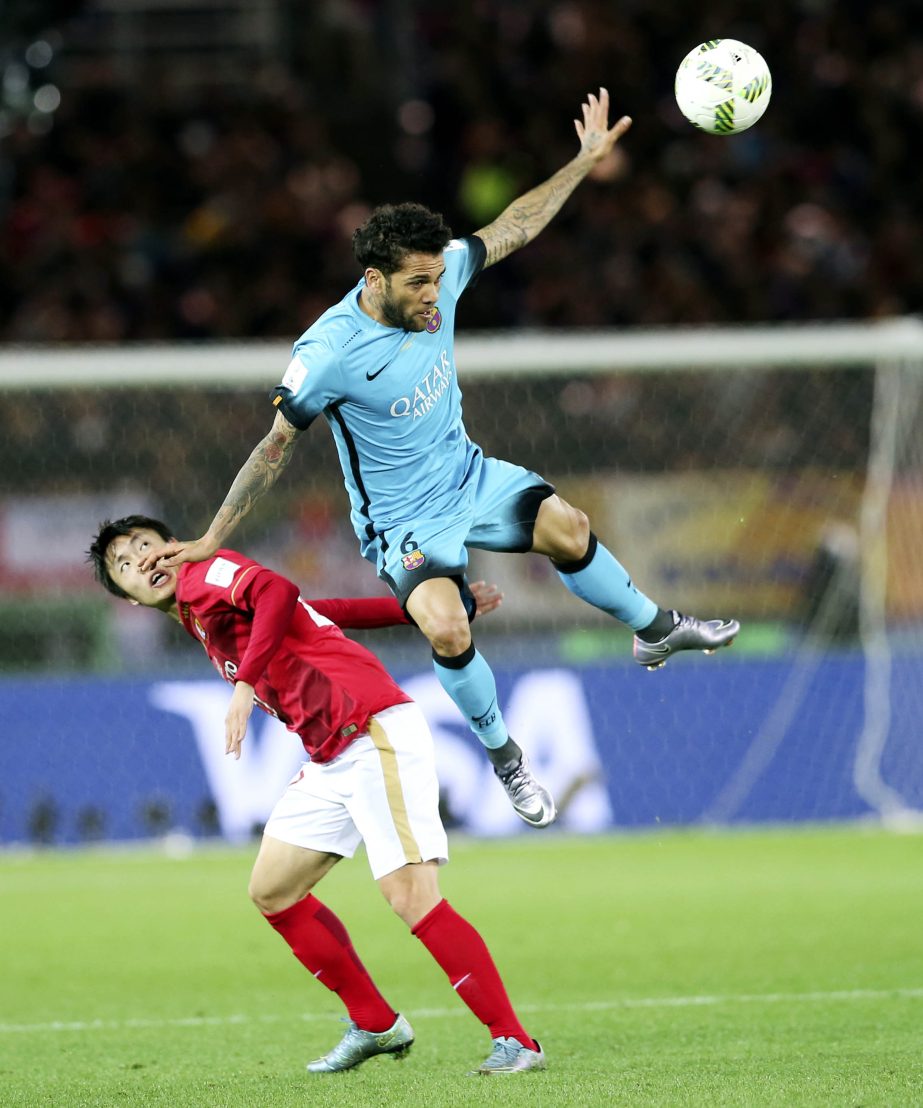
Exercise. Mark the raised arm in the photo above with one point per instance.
(524, 218)
(256, 477)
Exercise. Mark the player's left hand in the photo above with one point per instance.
(235, 722)
(488, 597)
(596, 136)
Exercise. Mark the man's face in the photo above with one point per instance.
(153, 589)
(407, 299)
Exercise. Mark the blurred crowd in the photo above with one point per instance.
(157, 210)
(179, 198)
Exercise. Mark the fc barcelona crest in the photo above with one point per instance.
(413, 560)
(434, 322)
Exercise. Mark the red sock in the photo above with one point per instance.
(464, 956)
(321, 943)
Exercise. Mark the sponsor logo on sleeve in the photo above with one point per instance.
(295, 374)
(221, 572)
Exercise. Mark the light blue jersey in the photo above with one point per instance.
(392, 400)
(421, 493)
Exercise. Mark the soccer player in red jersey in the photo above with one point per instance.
(370, 777)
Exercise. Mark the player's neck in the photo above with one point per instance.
(368, 302)
(171, 609)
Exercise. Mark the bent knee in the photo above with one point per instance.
(566, 536)
(449, 636)
(578, 536)
(412, 903)
(264, 899)
(270, 896)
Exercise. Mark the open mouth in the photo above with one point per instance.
(158, 577)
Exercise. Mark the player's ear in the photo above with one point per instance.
(374, 278)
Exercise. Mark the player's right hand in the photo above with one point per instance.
(177, 551)
(235, 722)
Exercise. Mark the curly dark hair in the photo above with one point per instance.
(111, 529)
(395, 230)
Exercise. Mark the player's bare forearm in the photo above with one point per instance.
(519, 223)
(531, 213)
(256, 477)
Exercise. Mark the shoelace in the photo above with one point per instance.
(505, 1050)
(515, 779)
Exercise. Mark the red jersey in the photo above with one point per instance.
(256, 628)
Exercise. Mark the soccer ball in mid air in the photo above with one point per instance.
(723, 86)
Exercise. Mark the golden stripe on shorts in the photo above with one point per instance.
(394, 791)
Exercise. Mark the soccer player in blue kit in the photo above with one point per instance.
(379, 366)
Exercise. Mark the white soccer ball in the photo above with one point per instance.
(723, 86)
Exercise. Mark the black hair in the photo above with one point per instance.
(395, 230)
(112, 529)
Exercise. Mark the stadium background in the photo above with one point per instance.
(177, 172)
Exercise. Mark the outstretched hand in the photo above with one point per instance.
(488, 597)
(596, 136)
(177, 551)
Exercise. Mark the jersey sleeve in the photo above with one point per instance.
(271, 599)
(368, 611)
(464, 260)
(311, 383)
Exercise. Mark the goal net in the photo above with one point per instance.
(772, 474)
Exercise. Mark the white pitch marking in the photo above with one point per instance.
(447, 1013)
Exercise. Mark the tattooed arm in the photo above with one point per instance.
(256, 477)
(525, 217)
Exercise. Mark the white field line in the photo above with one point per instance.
(451, 1013)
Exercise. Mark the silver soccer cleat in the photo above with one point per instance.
(510, 1056)
(357, 1046)
(688, 633)
(532, 802)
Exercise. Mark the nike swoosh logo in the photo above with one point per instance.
(491, 707)
(407, 344)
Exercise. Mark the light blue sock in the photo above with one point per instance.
(602, 581)
(469, 680)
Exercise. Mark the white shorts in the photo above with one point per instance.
(381, 790)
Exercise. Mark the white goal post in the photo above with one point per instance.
(530, 353)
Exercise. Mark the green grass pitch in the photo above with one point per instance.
(679, 968)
